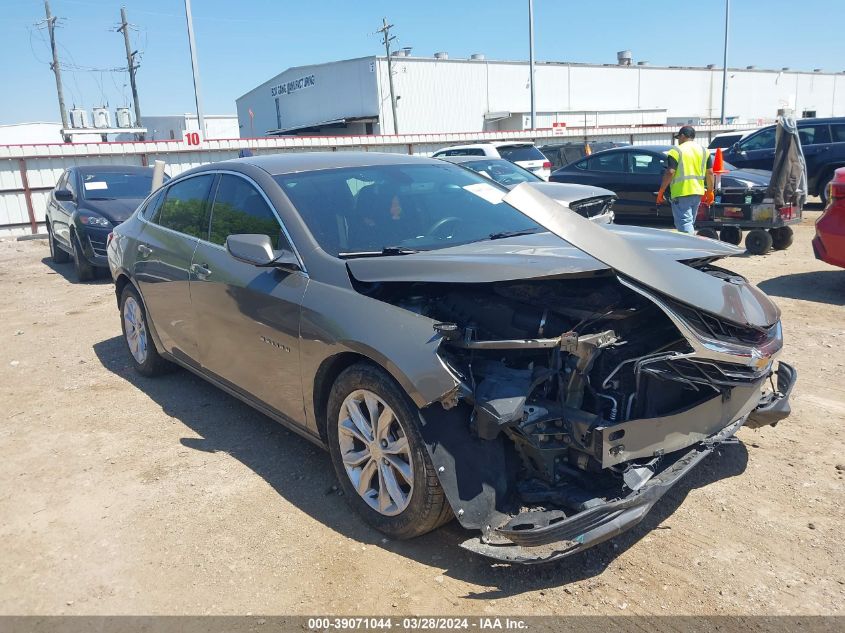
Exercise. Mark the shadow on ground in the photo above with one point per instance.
(302, 473)
(67, 271)
(820, 286)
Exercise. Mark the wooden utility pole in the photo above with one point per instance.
(51, 27)
(385, 31)
(130, 62)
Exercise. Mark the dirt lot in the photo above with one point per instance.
(125, 495)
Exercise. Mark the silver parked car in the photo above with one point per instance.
(460, 349)
(591, 202)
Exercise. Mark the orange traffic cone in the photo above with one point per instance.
(719, 163)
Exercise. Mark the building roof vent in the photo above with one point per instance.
(642, 63)
(441, 55)
(785, 68)
(624, 58)
(478, 57)
(752, 67)
(817, 70)
(711, 66)
(400, 53)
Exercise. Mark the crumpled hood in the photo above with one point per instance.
(526, 257)
(116, 211)
(736, 301)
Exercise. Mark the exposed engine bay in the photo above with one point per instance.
(590, 386)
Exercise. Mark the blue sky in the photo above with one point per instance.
(242, 43)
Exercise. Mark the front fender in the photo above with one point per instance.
(336, 320)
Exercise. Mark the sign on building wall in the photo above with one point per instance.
(292, 86)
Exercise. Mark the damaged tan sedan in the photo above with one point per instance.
(460, 349)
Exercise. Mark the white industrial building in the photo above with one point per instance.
(439, 94)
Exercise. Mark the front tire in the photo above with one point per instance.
(84, 270)
(136, 334)
(379, 456)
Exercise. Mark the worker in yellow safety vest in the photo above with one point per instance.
(689, 177)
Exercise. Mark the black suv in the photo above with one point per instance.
(823, 142)
(84, 206)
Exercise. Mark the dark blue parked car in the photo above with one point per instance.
(84, 206)
(823, 142)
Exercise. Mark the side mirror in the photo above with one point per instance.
(64, 195)
(257, 250)
(736, 149)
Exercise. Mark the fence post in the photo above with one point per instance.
(27, 194)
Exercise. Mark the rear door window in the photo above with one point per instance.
(814, 134)
(645, 164)
(838, 132)
(516, 153)
(240, 208)
(612, 162)
(184, 207)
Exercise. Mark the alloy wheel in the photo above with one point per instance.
(375, 452)
(136, 330)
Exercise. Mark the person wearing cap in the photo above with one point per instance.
(689, 177)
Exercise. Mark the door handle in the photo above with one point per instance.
(200, 270)
(144, 250)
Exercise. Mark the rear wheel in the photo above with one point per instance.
(379, 456)
(57, 254)
(758, 242)
(782, 237)
(136, 333)
(711, 233)
(84, 269)
(823, 190)
(731, 235)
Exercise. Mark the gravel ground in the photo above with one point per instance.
(126, 495)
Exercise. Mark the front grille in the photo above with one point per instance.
(705, 372)
(592, 207)
(717, 328)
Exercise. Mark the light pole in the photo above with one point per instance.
(725, 58)
(531, 62)
(194, 67)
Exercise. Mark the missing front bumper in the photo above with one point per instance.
(591, 527)
(535, 538)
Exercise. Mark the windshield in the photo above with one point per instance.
(117, 184)
(502, 171)
(409, 207)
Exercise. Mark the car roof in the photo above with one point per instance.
(467, 146)
(277, 164)
(472, 159)
(658, 149)
(510, 143)
(104, 169)
(834, 119)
